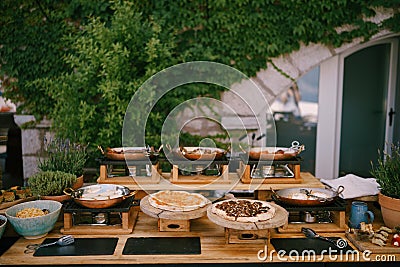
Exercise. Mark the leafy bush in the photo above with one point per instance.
(65, 156)
(387, 172)
(50, 183)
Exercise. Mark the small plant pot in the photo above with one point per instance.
(79, 183)
(390, 208)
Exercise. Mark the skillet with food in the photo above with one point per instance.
(307, 196)
(275, 153)
(99, 196)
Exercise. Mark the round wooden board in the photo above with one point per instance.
(171, 215)
(280, 218)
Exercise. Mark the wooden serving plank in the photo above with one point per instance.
(6, 205)
(367, 245)
(171, 215)
(280, 218)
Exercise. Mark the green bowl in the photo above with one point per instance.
(3, 226)
(34, 227)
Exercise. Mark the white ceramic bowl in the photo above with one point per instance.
(34, 227)
(3, 226)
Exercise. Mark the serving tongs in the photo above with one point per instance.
(310, 233)
(310, 194)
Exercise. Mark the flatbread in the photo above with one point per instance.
(177, 200)
(244, 210)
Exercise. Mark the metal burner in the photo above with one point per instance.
(106, 216)
(314, 214)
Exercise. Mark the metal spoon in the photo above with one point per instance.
(62, 241)
(310, 233)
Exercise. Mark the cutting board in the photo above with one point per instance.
(367, 245)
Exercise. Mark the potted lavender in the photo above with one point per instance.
(62, 155)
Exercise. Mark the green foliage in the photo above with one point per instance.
(50, 183)
(387, 172)
(65, 156)
(84, 60)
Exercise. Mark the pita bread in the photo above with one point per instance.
(177, 200)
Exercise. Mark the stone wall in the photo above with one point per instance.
(32, 143)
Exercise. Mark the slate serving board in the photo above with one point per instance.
(302, 244)
(6, 243)
(162, 246)
(81, 247)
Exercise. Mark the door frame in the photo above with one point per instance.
(330, 95)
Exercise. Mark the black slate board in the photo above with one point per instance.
(6, 243)
(81, 247)
(162, 246)
(302, 244)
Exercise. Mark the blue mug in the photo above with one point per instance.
(360, 213)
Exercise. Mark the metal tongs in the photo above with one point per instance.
(310, 233)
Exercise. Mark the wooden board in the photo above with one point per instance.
(5, 205)
(367, 245)
(280, 218)
(214, 249)
(171, 215)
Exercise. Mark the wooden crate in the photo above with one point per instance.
(234, 236)
(177, 178)
(104, 178)
(128, 220)
(244, 172)
(168, 225)
(338, 225)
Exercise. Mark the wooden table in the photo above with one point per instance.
(213, 247)
(213, 242)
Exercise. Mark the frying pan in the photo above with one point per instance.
(276, 153)
(128, 153)
(99, 196)
(198, 153)
(288, 196)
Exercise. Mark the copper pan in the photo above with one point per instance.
(99, 196)
(198, 153)
(128, 153)
(287, 196)
(275, 153)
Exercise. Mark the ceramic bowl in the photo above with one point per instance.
(3, 220)
(34, 227)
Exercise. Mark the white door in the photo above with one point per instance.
(356, 108)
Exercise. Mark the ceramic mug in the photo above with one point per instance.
(360, 213)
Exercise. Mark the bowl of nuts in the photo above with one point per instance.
(34, 219)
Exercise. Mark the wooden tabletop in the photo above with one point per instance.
(214, 248)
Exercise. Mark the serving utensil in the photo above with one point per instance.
(310, 233)
(309, 194)
(62, 241)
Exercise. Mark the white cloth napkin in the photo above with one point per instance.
(354, 186)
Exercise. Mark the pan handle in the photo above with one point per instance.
(275, 196)
(339, 190)
(130, 194)
(68, 191)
